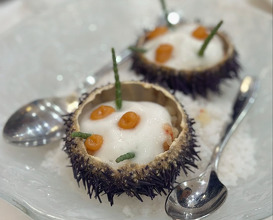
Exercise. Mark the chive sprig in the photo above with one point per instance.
(126, 156)
(80, 134)
(117, 82)
(137, 49)
(166, 13)
(208, 39)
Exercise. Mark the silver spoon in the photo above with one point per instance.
(200, 196)
(40, 122)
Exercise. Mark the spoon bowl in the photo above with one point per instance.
(200, 196)
(197, 197)
(39, 122)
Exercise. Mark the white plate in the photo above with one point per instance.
(50, 54)
(8, 211)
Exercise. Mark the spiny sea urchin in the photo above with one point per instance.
(150, 179)
(185, 70)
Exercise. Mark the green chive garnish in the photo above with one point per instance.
(117, 82)
(126, 156)
(208, 39)
(137, 49)
(165, 11)
(80, 134)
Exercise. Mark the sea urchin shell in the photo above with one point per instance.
(197, 81)
(133, 179)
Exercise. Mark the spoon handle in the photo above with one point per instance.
(91, 80)
(245, 99)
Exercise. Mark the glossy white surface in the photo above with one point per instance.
(117, 141)
(50, 53)
(185, 49)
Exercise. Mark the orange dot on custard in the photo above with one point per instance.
(93, 142)
(101, 112)
(200, 33)
(156, 32)
(129, 120)
(163, 53)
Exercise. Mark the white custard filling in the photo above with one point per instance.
(186, 47)
(145, 140)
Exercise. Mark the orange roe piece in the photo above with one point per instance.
(129, 120)
(170, 136)
(166, 146)
(168, 130)
(163, 53)
(156, 32)
(93, 142)
(200, 33)
(101, 112)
